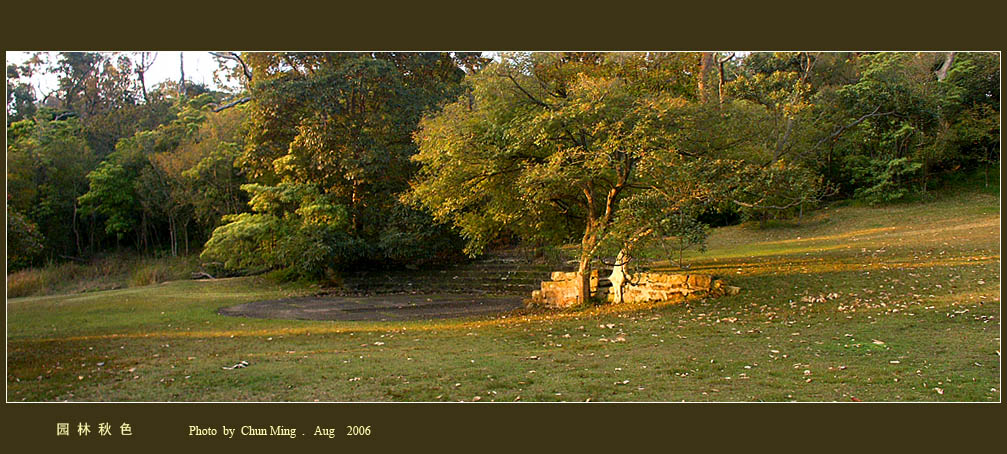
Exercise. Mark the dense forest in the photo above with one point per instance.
(317, 162)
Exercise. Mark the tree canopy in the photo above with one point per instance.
(314, 162)
(601, 149)
(329, 142)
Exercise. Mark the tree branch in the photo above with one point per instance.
(234, 56)
(856, 122)
(232, 103)
(529, 95)
(773, 207)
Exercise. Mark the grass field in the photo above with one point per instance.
(897, 303)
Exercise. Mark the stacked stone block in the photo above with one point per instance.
(561, 290)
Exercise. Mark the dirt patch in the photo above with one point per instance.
(376, 308)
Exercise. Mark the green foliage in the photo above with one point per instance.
(878, 126)
(292, 226)
(411, 238)
(24, 242)
(687, 231)
(246, 241)
(111, 196)
(213, 179)
(601, 149)
(880, 181)
(973, 126)
(47, 164)
(20, 96)
(163, 179)
(779, 190)
(556, 148)
(676, 226)
(329, 141)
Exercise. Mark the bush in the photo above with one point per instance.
(880, 180)
(24, 242)
(106, 273)
(310, 235)
(155, 271)
(25, 283)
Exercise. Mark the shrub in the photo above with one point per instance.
(25, 283)
(881, 180)
(106, 273)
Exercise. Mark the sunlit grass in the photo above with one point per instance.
(897, 303)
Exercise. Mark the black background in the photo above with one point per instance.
(511, 26)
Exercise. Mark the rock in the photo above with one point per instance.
(563, 275)
(676, 279)
(561, 291)
(699, 281)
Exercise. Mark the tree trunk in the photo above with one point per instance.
(354, 207)
(783, 143)
(587, 247)
(720, 84)
(143, 234)
(949, 59)
(76, 231)
(722, 80)
(584, 279)
(143, 87)
(181, 80)
(171, 236)
(91, 237)
(146, 61)
(707, 80)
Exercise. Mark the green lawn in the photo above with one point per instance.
(898, 303)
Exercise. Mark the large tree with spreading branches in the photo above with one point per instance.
(602, 149)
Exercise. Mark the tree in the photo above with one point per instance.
(897, 151)
(551, 145)
(24, 242)
(336, 129)
(210, 171)
(782, 85)
(606, 150)
(62, 138)
(111, 195)
(20, 95)
(47, 164)
(146, 61)
(140, 189)
(878, 126)
(712, 73)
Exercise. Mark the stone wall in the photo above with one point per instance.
(561, 290)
